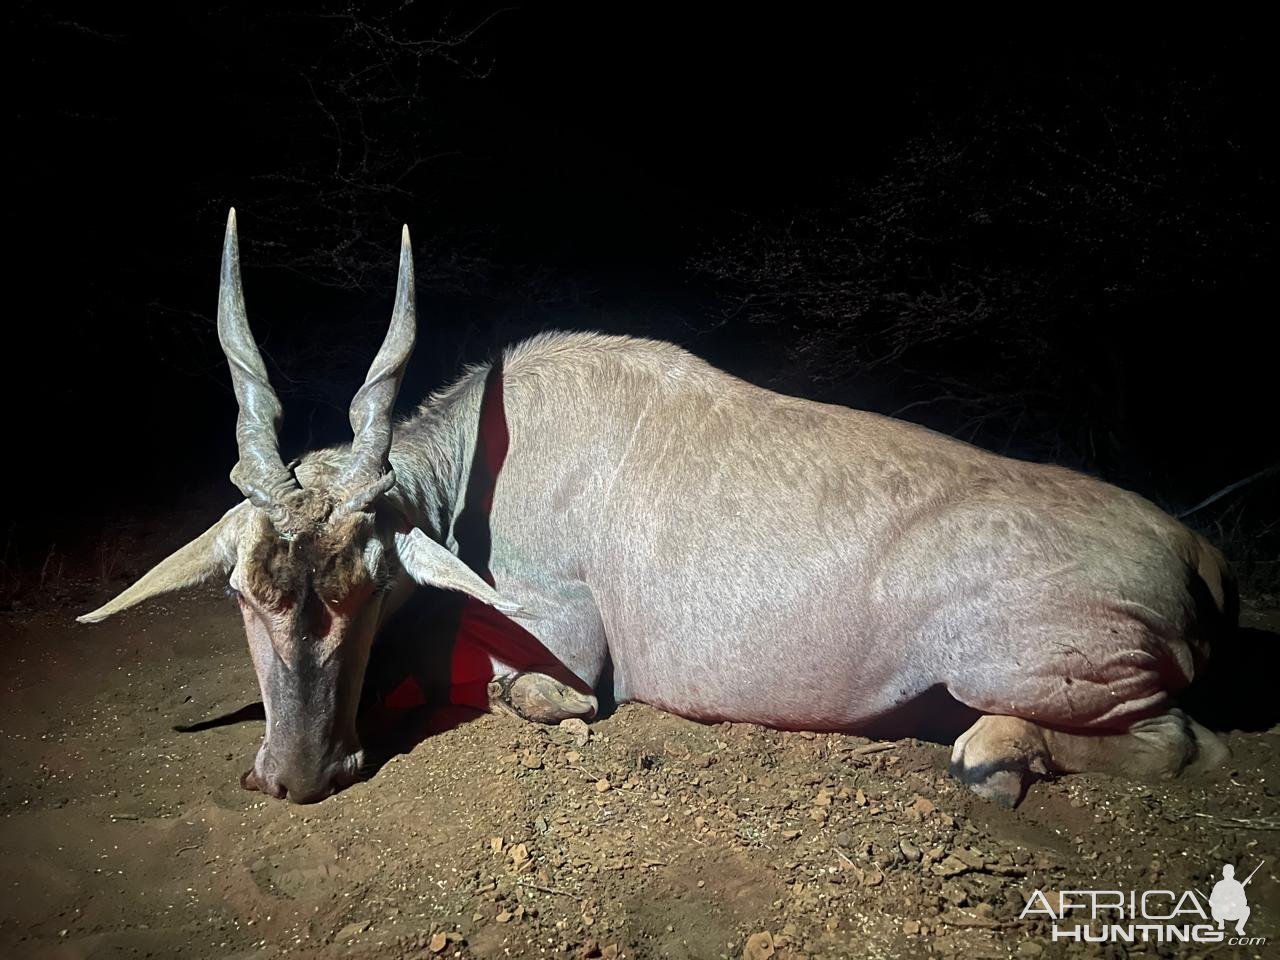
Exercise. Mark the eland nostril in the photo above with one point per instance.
(252, 780)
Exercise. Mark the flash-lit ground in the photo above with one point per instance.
(658, 837)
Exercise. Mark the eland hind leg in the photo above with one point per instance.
(1000, 756)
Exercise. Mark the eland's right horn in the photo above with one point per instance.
(260, 474)
(369, 473)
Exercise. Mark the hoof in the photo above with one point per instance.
(1003, 787)
(998, 758)
(540, 698)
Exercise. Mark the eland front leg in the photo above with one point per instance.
(540, 698)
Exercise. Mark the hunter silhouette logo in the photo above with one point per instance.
(1228, 900)
(1149, 916)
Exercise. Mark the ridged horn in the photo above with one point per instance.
(260, 473)
(369, 473)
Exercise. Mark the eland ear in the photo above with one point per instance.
(210, 554)
(431, 565)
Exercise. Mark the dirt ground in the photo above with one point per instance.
(657, 837)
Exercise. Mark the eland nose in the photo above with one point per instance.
(303, 786)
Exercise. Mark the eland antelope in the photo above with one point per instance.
(706, 546)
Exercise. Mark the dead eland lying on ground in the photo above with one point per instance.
(706, 546)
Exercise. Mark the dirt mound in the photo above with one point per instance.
(657, 837)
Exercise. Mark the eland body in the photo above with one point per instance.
(709, 547)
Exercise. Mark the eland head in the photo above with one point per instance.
(311, 555)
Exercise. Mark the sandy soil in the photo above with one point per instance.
(657, 837)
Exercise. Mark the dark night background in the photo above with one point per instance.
(1059, 245)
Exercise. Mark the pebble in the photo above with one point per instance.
(438, 942)
(921, 807)
(352, 929)
(951, 866)
(909, 850)
(603, 785)
(577, 729)
(759, 946)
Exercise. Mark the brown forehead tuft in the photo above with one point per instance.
(306, 511)
(329, 557)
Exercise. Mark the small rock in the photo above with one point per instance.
(531, 760)
(910, 927)
(759, 946)
(519, 853)
(1029, 948)
(603, 785)
(790, 834)
(352, 929)
(951, 866)
(577, 729)
(438, 942)
(909, 850)
(955, 894)
(921, 807)
(860, 798)
(873, 878)
(495, 844)
(503, 917)
(823, 799)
